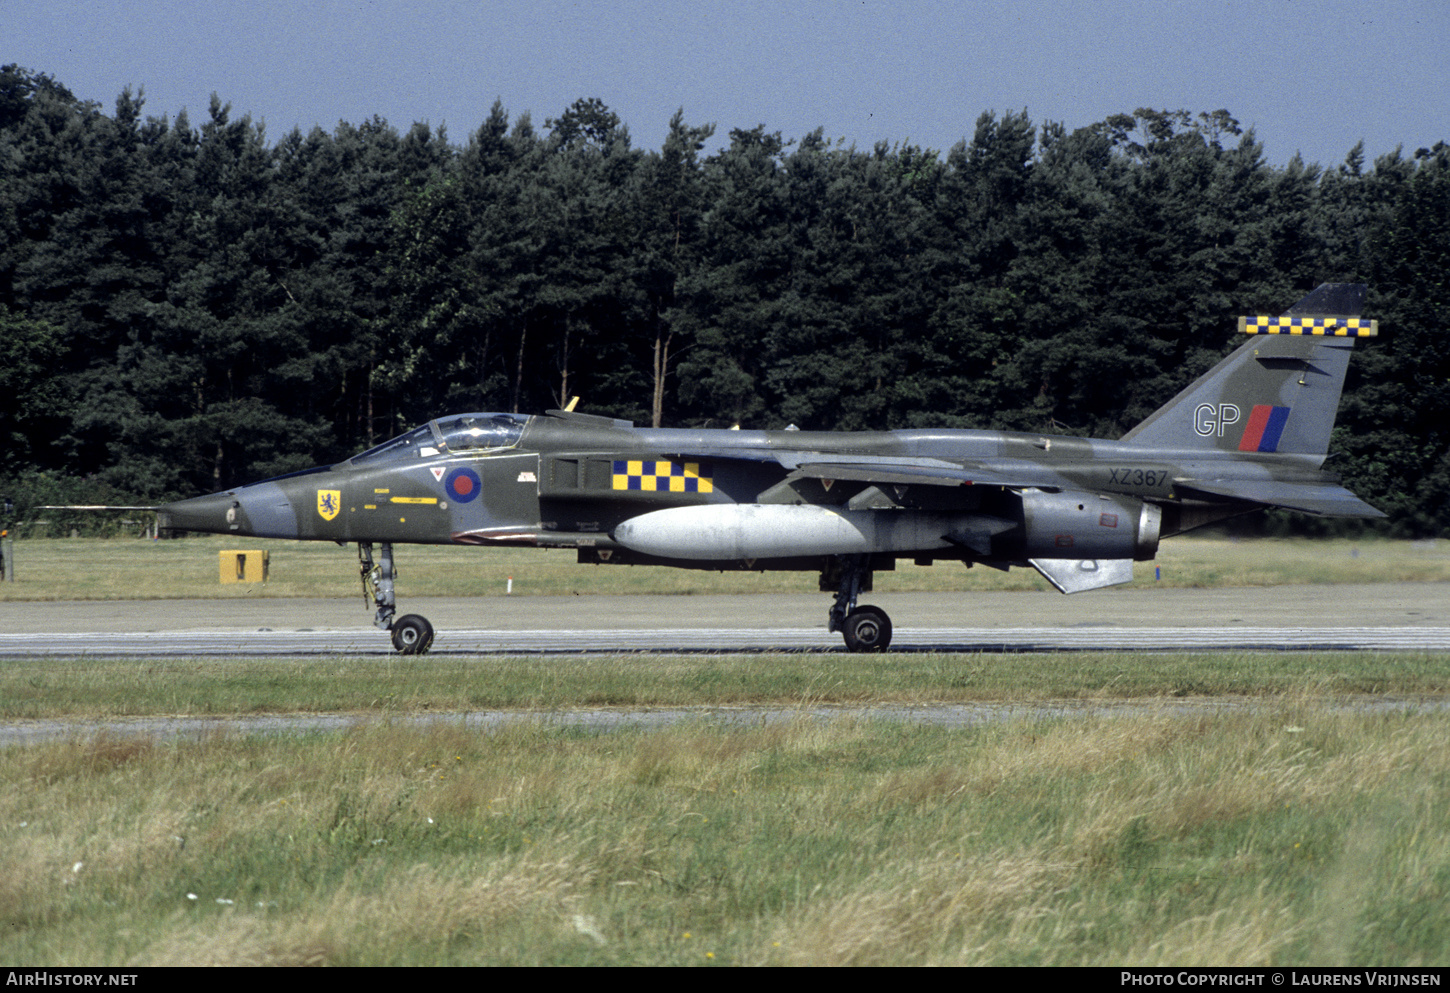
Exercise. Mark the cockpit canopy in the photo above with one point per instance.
(452, 435)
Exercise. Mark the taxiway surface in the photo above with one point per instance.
(1414, 616)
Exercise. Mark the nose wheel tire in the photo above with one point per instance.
(412, 635)
(867, 629)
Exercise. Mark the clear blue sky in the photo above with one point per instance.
(1312, 76)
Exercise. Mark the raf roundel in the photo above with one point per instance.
(463, 485)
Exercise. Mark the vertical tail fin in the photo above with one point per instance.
(1278, 392)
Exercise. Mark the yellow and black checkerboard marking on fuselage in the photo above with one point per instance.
(662, 476)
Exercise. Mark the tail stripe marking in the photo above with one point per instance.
(1264, 429)
(1340, 327)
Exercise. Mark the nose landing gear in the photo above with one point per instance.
(412, 634)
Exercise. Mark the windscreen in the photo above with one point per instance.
(469, 431)
(454, 434)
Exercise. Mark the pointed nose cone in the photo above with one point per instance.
(260, 511)
(217, 513)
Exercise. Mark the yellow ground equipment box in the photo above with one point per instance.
(243, 566)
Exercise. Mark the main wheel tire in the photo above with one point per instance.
(412, 635)
(867, 629)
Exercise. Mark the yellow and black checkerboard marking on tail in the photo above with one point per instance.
(1339, 327)
(662, 477)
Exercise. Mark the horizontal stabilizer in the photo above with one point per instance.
(1079, 575)
(1311, 498)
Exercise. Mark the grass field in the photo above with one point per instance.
(88, 688)
(126, 569)
(1294, 834)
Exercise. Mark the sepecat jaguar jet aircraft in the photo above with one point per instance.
(1253, 432)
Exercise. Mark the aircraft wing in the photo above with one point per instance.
(928, 472)
(893, 469)
(1311, 498)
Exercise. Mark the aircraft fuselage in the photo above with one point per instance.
(1252, 432)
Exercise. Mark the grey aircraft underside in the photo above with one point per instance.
(1253, 432)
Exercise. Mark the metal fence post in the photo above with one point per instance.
(7, 543)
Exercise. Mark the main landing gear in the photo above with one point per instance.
(865, 628)
(412, 634)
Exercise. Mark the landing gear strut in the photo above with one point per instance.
(866, 628)
(412, 635)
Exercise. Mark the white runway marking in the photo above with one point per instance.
(370, 641)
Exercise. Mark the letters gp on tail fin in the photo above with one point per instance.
(1278, 393)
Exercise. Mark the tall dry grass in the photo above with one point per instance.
(1296, 833)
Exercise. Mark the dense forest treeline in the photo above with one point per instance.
(186, 307)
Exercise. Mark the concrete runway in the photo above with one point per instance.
(1377, 616)
(1405, 615)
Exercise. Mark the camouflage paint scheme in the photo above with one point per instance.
(1253, 432)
